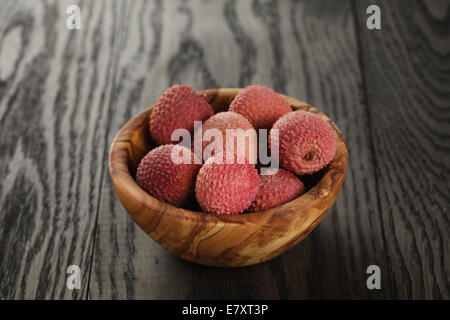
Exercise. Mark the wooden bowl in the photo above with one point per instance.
(226, 240)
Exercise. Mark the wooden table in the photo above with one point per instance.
(64, 94)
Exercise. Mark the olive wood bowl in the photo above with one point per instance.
(221, 240)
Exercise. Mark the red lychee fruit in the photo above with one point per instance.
(277, 189)
(245, 140)
(177, 108)
(224, 188)
(260, 105)
(306, 142)
(168, 173)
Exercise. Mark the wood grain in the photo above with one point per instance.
(55, 93)
(407, 80)
(64, 95)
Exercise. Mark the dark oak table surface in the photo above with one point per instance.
(64, 94)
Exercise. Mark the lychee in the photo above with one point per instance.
(230, 125)
(306, 142)
(168, 173)
(277, 189)
(224, 188)
(260, 105)
(177, 108)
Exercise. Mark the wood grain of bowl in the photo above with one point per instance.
(224, 241)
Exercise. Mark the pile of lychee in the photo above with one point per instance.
(306, 145)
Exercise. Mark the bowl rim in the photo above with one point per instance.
(123, 181)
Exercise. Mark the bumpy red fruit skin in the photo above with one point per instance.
(260, 105)
(277, 189)
(178, 107)
(229, 120)
(226, 188)
(165, 180)
(306, 142)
